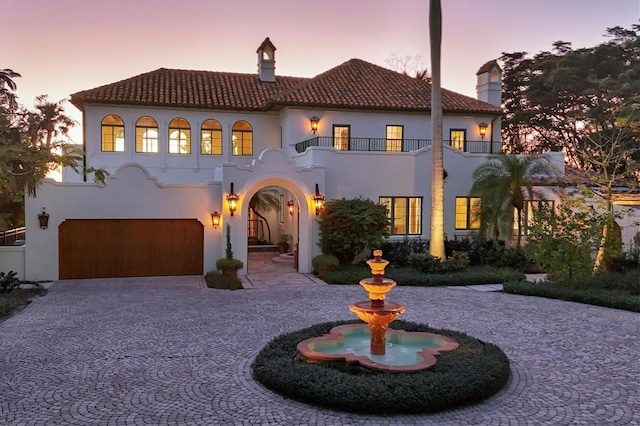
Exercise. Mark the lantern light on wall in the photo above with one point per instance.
(314, 123)
(43, 218)
(215, 219)
(318, 200)
(290, 206)
(482, 128)
(232, 199)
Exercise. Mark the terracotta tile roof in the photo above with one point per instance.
(189, 89)
(355, 84)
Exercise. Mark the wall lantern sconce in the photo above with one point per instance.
(314, 123)
(290, 206)
(232, 199)
(215, 219)
(482, 128)
(318, 200)
(43, 218)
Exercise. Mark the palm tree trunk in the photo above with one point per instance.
(436, 243)
(519, 240)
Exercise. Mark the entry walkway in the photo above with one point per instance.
(269, 269)
(170, 351)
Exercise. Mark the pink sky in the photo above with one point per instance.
(65, 46)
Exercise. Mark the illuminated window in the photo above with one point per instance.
(467, 213)
(458, 138)
(341, 135)
(211, 138)
(146, 135)
(179, 136)
(113, 134)
(404, 213)
(394, 138)
(531, 208)
(242, 139)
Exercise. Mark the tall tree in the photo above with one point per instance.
(504, 183)
(436, 242)
(32, 143)
(556, 100)
(8, 99)
(409, 65)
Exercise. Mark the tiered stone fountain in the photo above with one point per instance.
(374, 345)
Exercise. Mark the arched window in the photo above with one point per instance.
(112, 134)
(211, 138)
(179, 136)
(146, 135)
(242, 139)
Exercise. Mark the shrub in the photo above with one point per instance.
(223, 264)
(215, 279)
(591, 296)
(8, 281)
(398, 252)
(468, 375)
(324, 263)
(348, 227)
(410, 277)
(425, 263)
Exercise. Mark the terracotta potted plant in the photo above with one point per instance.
(228, 265)
(283, 243)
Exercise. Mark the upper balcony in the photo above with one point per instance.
(396, 145)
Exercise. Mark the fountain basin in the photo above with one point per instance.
(405, 351)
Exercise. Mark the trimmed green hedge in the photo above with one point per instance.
(592, 296)
(468, 375)
(411, 277)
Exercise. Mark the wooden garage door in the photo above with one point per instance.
(105, 248)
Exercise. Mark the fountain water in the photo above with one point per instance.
(387, 349)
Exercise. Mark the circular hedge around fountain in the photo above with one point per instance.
(468, 375)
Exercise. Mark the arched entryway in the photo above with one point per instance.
(272, 230)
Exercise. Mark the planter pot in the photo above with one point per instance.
(283, 248)
(230, 273)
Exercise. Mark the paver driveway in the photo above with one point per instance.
(165, 350)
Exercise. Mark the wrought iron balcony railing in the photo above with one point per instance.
(394, 145)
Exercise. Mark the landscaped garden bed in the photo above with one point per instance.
(472, 373)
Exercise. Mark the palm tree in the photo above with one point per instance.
(7, 87)
(504, 183)
(436, 243)
(265, 200)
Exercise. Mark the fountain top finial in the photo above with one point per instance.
(377, 265)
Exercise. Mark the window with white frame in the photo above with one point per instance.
(404, 213)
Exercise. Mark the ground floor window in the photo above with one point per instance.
(467, 213)
(404, 213)
(531, 207)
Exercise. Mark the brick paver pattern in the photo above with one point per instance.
(168, 350)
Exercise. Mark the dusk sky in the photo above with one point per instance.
(64, 46)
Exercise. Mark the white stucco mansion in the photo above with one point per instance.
(178, 143)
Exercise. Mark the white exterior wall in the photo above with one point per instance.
(12, 259)
(130, 193)
(175, 168)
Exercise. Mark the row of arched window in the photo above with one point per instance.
(179, 136)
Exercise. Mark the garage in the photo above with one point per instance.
(111, 248)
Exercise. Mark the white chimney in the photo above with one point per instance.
(489, 83)
(267, 61)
